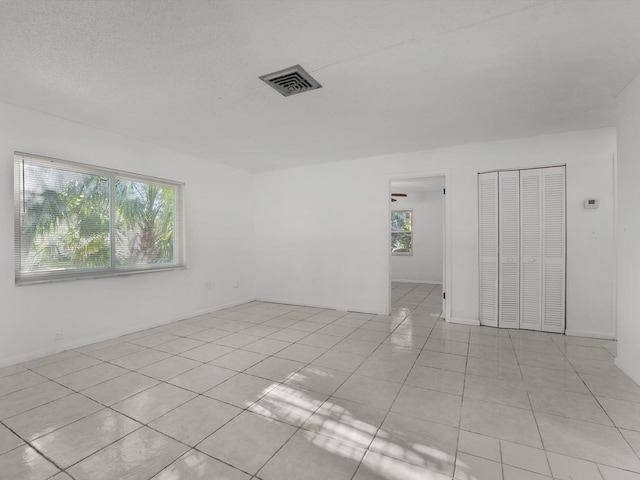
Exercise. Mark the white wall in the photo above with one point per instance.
(425, 265)
(321, 231)
(628, 231)
(219, 243)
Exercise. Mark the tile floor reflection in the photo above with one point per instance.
(267, 391)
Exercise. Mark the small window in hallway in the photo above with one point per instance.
(402, 232)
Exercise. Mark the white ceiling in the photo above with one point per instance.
(397, 75)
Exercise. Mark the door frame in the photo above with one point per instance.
(446, 254)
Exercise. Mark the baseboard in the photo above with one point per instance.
(464, 321)
(589, 334)
(318, 305)
(108, 336)
(632, 374)
(429, 282)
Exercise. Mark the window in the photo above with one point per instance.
(401, 232)
(74, 221)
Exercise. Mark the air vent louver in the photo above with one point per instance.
(291, 80)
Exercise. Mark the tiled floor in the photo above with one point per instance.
(279, 392)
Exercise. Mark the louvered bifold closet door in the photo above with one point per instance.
(509, 245)
(553, 249)
(488, 238)
(531, 249)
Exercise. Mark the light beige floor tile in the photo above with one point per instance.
(346, 421)
(488, 367)
(38, 362)
(80, 439)
(202, 378)
(11, 370)
(241, 390)
(358, 347)
(266, 346)
(276, 369)
(236, 340)
(610, 473)
(211, 334)
(394, 370)
(8, 440)
(207, 352)
(321, 340)
(25, 463)
(469, 467)
(589, 441)
(369, 391)
(153, 402)
(428, 405)
(505, 392)
(61, 476)
(19, 381)
(593, 353)
(195, 420)
(375, 466)
(119, 388)
(545, 378)
(534, 359)
(479, 445)
(570, 468)
(447, 346)
(337, 360)
(569, 404)
(247, 432)
(64, 367)
(153, 340)
(91, 376)
(445, 361)
(289, 405)
(613, 386)
(313, 456)
(238, 360)
(436, 379)
(140, 359)
(114, 351)
(51, 416)
(31, 397)
(425, 444)
(595, 367)
(633, 438)
(513, 473)
(194, 465)
(624, 414)
(179, 345)
(141, 454)
(526, 458)
(301, 353)
(289, 335)
(318, 379)
(500, 421)
(169, 367)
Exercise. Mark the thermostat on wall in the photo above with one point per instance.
(591, 203)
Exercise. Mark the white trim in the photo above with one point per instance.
(466, 321)
(589, 334)
(446, 173)
(629, 372)
(109, 336)
(430, 282)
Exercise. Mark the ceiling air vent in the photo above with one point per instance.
(291, 80)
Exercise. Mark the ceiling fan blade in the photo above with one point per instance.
(398, 194)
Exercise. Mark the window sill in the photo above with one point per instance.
(70, 276)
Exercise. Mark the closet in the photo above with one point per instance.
(522, 248)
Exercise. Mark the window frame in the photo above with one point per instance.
(113, 270)
(401, 254)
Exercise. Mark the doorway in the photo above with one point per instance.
(418, 241)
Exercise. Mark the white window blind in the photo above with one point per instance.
(75, 220)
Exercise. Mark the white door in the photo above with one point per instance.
(509, 249)
(553, 249)
(488, 240)
(531, 249)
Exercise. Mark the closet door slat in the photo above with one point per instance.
(531, 249)
(509, 249)
(488, 240)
